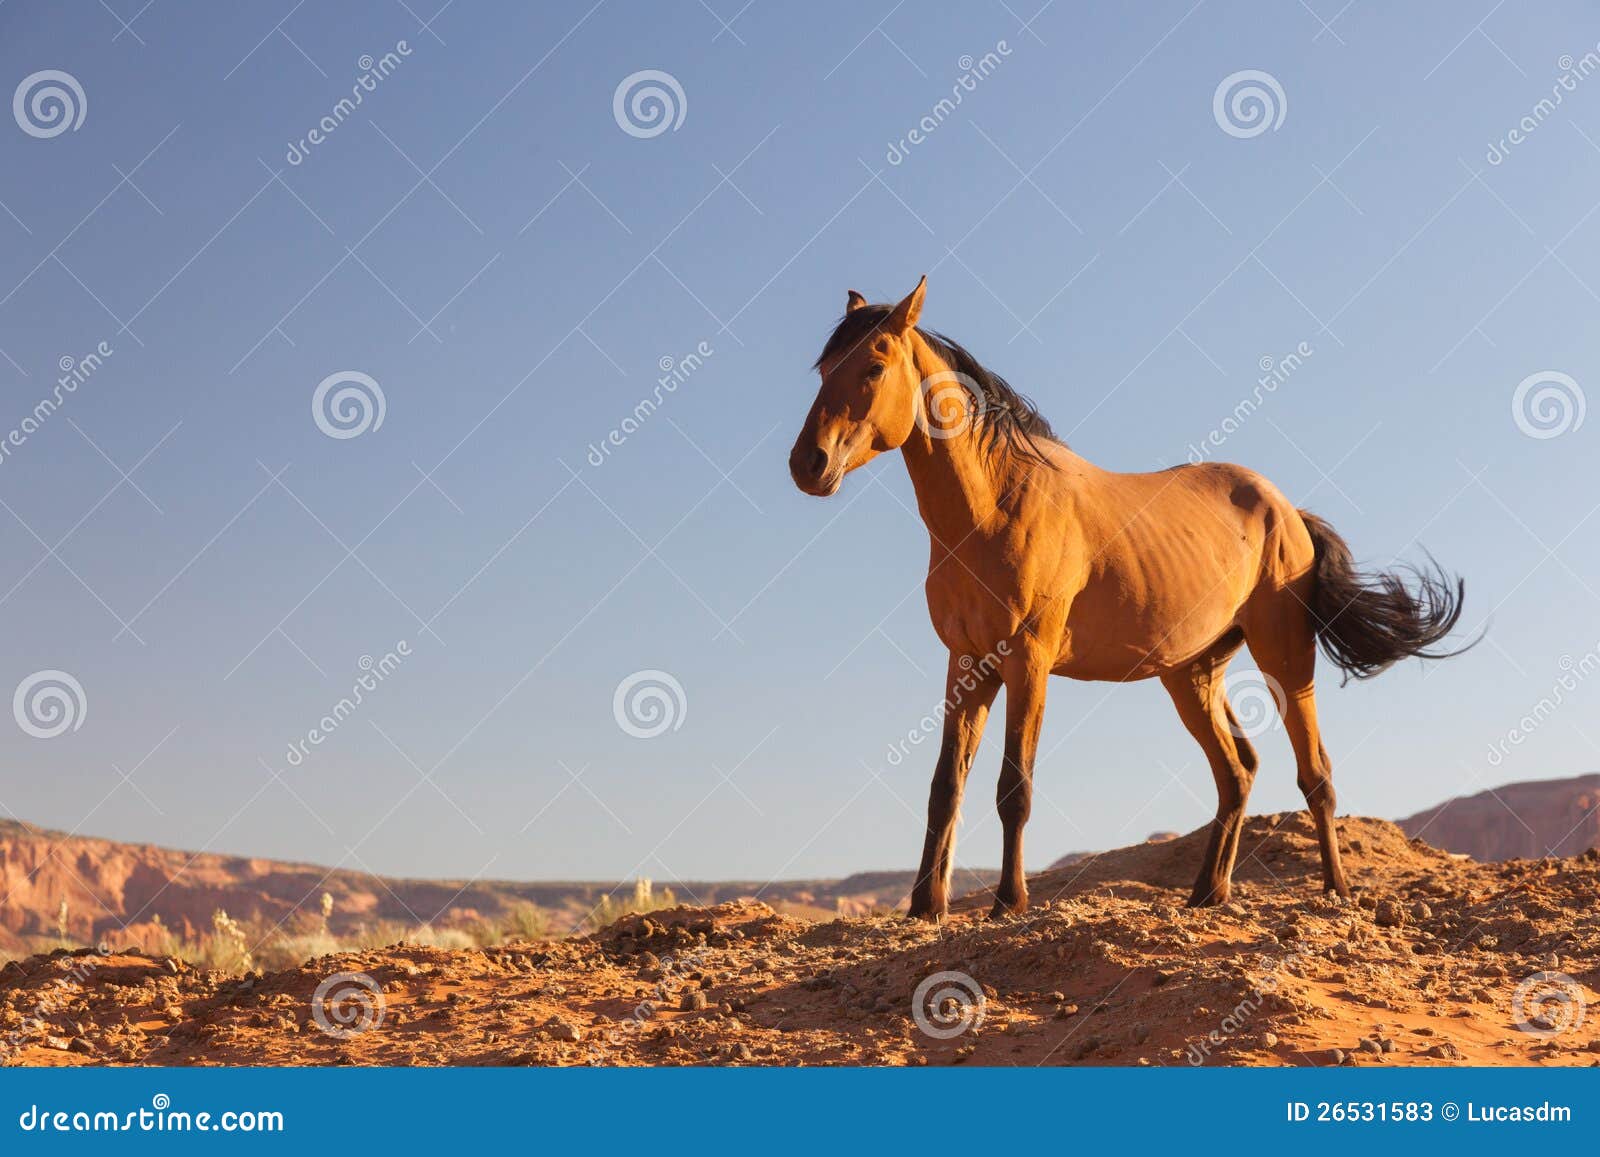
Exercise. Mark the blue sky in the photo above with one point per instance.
(483, 239)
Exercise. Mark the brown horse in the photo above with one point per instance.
(1042, 563)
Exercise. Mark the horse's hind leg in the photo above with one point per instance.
(1197, 693)
(1287, 652)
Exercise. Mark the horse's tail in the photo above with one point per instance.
(1367, 622)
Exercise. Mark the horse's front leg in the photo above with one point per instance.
(969, 690)
(1025, 678)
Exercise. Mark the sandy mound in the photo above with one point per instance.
(1438, 961)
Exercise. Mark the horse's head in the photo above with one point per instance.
(869, 398)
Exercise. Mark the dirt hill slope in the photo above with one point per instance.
(1438, 961)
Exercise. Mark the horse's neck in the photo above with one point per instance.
(956, 490)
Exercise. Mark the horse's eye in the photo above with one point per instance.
(875, 372)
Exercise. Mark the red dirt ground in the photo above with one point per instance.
(1424, 967)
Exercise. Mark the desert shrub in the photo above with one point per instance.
(645, 898)
(228, 947)
(525, 922)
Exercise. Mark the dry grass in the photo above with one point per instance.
(238, 946)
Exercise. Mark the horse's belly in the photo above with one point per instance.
(1133, 642)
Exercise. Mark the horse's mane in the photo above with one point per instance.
(1005, 420)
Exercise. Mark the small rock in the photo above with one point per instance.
(1445, 1051)
(561, 1030)
(1389, 914)
(692, 1001)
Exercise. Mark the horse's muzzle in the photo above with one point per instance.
(813, 469)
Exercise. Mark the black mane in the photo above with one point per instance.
(1005, 419)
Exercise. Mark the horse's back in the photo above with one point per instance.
(1174, 558)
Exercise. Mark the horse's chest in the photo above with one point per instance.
(972, 611)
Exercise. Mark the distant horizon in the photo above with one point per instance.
(824, 877)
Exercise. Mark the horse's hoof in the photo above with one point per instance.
(1207, 899)
(1004, 911)
(927, 915)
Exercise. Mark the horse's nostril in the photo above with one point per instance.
(819, 463)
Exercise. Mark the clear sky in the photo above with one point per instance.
(511, 260)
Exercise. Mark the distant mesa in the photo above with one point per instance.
(1547, 817)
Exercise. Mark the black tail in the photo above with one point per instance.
(1367, 622)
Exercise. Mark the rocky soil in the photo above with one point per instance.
(1437, 961)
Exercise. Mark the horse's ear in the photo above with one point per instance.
(905, 314)
(854, 302)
